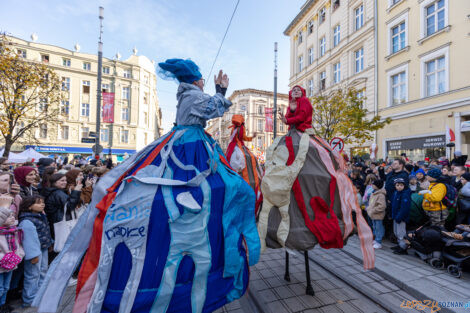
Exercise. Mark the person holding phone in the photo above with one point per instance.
(7, 189)
(76, 177)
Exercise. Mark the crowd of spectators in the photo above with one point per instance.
(33, 197)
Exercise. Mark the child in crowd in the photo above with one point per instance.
(432, 202)
(421, 176)
(37, 241)
(414, 184)
(11, 251)
(376, 211)
(400, 214)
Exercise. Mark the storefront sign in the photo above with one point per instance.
(72, 150)
(417, 143)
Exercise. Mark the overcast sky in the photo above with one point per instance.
(162, 29)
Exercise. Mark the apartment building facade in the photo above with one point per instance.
(332, 46)
(137, 115)
(423, 83)
(251, 103)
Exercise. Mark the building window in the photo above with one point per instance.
(359, 17)
(146, 118)
(398, 37)
(66, 62)
(310, 87)
(124, 136)
(127, 74)
(301, 63)
(323, 80)
(398, 91)
(260, 142)
(260, 125)
(45, 58)
(21, 53)
(42, 105)
(86, 86)
(393, 2)
(260, 110)
(435, 17)
(336, 35)
(310, 56)
(85, 132)
(359, 57)
(300, 38)
(336, 5)
(435, 76)
(65, 83)
(19, 126)
(337, 72)
(146, 79)
(105, 87)
(65, 107)
(145, 138)
(43, 131)
(85, 111)
(104, 134)
(322, 46)
(310, 27)
(322, 15)
(125, 114)
(126, 93)
(87, 66)
(64, 132)
(146, 98)
(281, 126)
(106, 70)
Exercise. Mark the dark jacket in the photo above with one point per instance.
(39, 220)
(390, 185)
(55, 201)
(456, 183)
(28, 191)
(359, 184)
(401, 202)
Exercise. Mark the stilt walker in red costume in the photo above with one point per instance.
(307, 197)
(242, 160)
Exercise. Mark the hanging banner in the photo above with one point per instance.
(108, 107)
(268, 113)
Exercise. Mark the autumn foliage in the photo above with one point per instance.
(341, 114)
(30, 94)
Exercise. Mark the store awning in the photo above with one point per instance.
(79, 150)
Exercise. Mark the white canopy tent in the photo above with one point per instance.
(27, 155)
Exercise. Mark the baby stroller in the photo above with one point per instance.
(456, 251)
(428, 245)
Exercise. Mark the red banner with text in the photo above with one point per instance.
(108, 107)
(268, 112)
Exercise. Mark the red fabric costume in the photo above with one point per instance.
(301, 118)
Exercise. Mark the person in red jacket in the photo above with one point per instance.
(299, 113)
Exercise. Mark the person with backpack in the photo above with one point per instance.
(433, 198)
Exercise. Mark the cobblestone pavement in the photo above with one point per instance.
(338, 279)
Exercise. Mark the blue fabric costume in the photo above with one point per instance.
(174, 238)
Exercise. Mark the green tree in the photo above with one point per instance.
(342, 114)
(30, 95)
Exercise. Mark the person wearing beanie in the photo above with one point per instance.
(401, 203)
(376, 211)
(432, 198)
(27, 178)
(414, 184)
(422, 181)
(43, 163)
(463, 211)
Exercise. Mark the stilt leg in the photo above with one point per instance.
(286, 275)
(309, 289)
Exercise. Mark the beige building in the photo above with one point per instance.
(137, 116)
(250, 103)
(332, 46)
(423, 75)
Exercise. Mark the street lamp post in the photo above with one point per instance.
(275, 92)
(98, 89)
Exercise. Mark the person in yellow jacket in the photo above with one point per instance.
(432, 198)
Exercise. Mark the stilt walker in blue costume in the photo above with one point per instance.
(172, 229)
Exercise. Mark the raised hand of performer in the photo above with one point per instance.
(221, 82)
